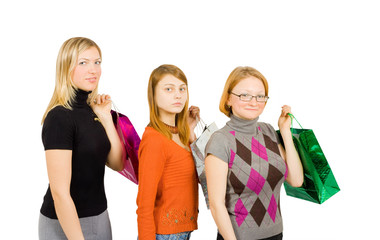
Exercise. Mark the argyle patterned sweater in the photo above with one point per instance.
(256, 172)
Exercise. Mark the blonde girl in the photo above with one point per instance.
(79, 140)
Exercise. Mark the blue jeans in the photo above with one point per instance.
(176, 236)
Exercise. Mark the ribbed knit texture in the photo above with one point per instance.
(256, 172)
(168, 187)
(80, 131)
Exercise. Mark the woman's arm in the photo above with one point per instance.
(295, 169)
(216, 175)
(59, 171)
(102, 109)
(151, 166)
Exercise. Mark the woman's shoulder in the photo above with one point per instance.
(223, 135)
(151, 132)
(58, 113)
(265, 127)
(152, 135)
(268, 130)
(153, 141)
(224, 132)
(58, 129)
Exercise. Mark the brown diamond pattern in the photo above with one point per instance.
(258, 212)
(274, 176)
(243, 152)
(273, 146)
(236, 184)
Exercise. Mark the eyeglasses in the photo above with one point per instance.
(247, 98)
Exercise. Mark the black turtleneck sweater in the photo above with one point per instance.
(80, 131)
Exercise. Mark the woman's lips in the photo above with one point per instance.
(91, 80)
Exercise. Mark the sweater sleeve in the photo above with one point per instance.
(218, 146)
(58, 130)
(151, 165)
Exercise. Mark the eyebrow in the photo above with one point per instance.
(171, 84)
(88, 59)
(250, 92)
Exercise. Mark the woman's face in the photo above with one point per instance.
(170, 95)
(247, 110)
(87, 70)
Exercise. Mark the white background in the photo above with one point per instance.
(320, 57)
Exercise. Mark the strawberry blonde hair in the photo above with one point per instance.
(235, 77)
(181, 118)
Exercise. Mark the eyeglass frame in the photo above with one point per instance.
(251, 97)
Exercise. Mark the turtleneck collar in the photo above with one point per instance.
(243, 125)
(80, 99)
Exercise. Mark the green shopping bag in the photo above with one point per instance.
(319, 182)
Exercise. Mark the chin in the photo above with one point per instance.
(88, 89)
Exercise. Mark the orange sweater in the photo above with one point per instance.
(167, 200)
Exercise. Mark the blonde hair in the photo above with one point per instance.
(65, 91)
(235, 77)
(181, 118)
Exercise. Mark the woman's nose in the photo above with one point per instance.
(92, 68)
(177, 94)
(253, 101)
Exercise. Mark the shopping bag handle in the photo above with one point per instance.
(293, 117)
(201, 125)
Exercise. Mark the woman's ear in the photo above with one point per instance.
(228, 102)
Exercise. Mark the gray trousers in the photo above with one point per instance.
(93, 228)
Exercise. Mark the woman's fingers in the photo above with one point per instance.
(285, 110)
(194, 111)
(102, 98)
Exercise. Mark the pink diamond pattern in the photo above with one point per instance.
(272, 208)
(232, 159)
(232, 132)
(240, 212)
(255, 181)
(259, 149)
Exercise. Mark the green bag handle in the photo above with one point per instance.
(293, 117)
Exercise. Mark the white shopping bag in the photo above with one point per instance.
(198, 151)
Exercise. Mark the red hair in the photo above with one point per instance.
(181, 118)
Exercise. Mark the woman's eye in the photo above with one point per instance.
(244, 94)
(98, 62)
(82, 63)
(182, 89)
(168, 89)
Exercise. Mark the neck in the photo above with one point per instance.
(168, 118)
(243, 125)
(81, 98)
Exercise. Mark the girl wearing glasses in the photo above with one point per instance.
(168, 187)
(246, 165)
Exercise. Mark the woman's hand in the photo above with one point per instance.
(194, 117)
(102, 106)
(290, 154)
(284, 121)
